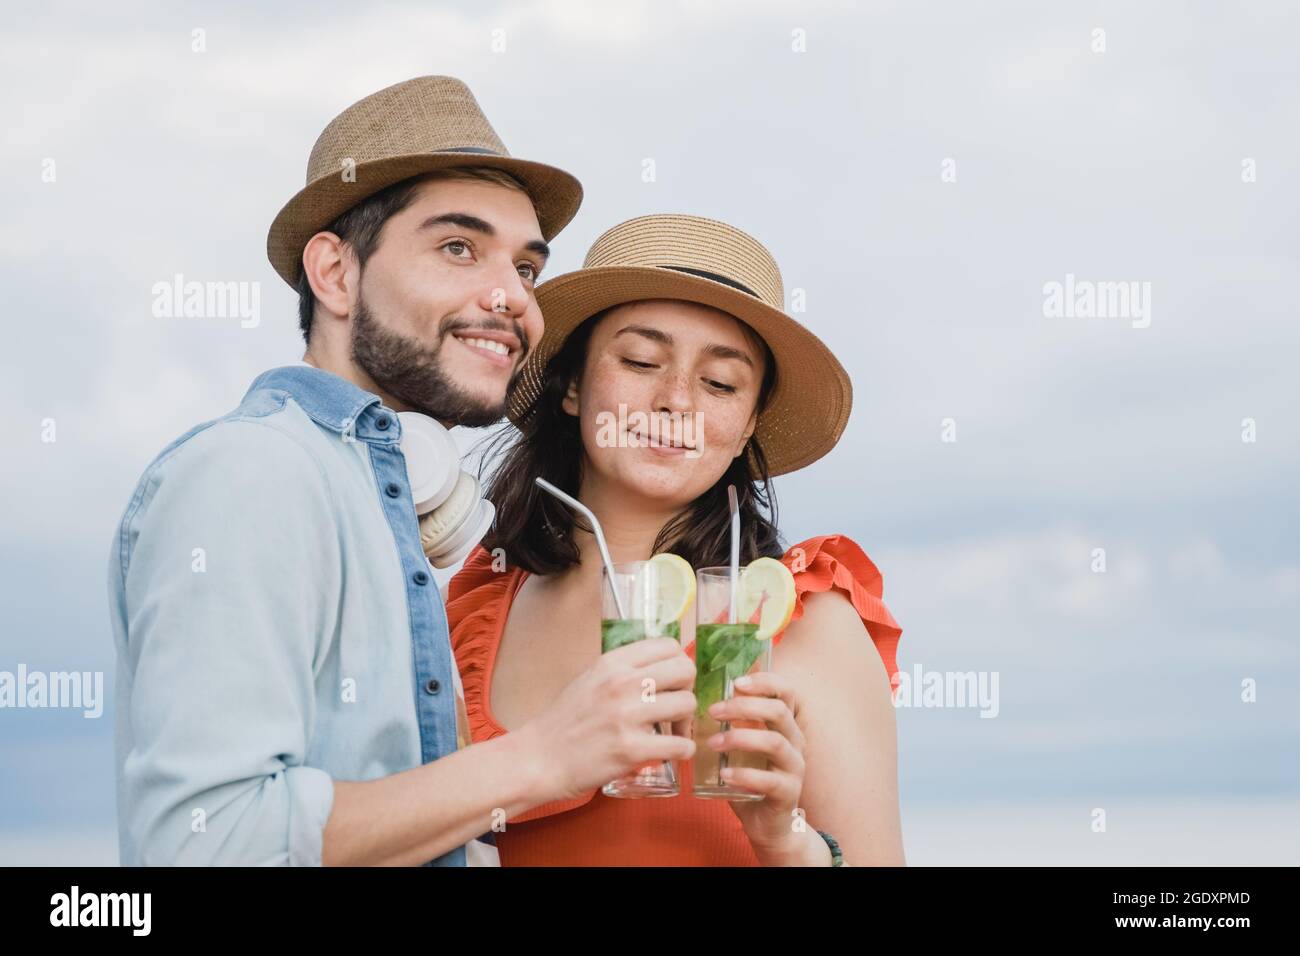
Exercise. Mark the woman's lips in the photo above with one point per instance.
(667, 450)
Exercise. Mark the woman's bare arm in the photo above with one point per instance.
(847, 717)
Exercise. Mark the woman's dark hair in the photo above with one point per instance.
(536, 531)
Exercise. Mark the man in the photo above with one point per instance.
(285, 688)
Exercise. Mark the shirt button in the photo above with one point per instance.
(393, 489)
(433, 686)
(421, 578)
(382, 423)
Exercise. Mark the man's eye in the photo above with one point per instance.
(528, 271)
(457, 248)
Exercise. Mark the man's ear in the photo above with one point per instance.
(331, 268)
(570, 401)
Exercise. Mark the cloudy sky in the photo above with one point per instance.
(922, 172)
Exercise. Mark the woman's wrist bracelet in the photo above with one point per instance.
(837, 855)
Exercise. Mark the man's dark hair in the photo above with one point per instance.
(536, 531)
(360, 227)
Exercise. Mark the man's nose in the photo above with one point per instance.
(505, 293)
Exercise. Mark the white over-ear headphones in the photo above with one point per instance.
(454, 516)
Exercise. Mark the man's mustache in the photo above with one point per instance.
(489, 325)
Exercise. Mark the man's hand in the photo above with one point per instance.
(602, 724)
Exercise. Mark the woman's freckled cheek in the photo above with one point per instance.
(722, 429)
(608, 386)
(601, 389)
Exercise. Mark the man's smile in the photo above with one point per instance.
(499, 348)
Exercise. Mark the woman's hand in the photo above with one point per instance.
(769, 823)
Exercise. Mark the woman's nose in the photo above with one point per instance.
(674, 394)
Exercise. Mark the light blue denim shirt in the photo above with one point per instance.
(277, 627)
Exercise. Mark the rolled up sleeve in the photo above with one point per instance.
(231, 586)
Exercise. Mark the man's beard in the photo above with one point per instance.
(413, 374)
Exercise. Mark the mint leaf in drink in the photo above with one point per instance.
(708, 691)
(615, 633)
(722, 651)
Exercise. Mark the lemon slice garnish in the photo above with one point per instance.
(766, 596)
(674, 583)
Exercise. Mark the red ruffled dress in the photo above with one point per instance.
(595, 830)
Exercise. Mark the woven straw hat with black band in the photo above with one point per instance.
(421, 125)
(711, 263)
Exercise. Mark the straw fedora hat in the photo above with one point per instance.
(420, 125)
(711, 263)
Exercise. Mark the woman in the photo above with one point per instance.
(680, 318)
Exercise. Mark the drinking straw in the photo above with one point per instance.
(578, 506)
(735, 549)
(727, 690)
(586, 512)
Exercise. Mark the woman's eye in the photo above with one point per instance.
(638, 365)
(720, 386)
